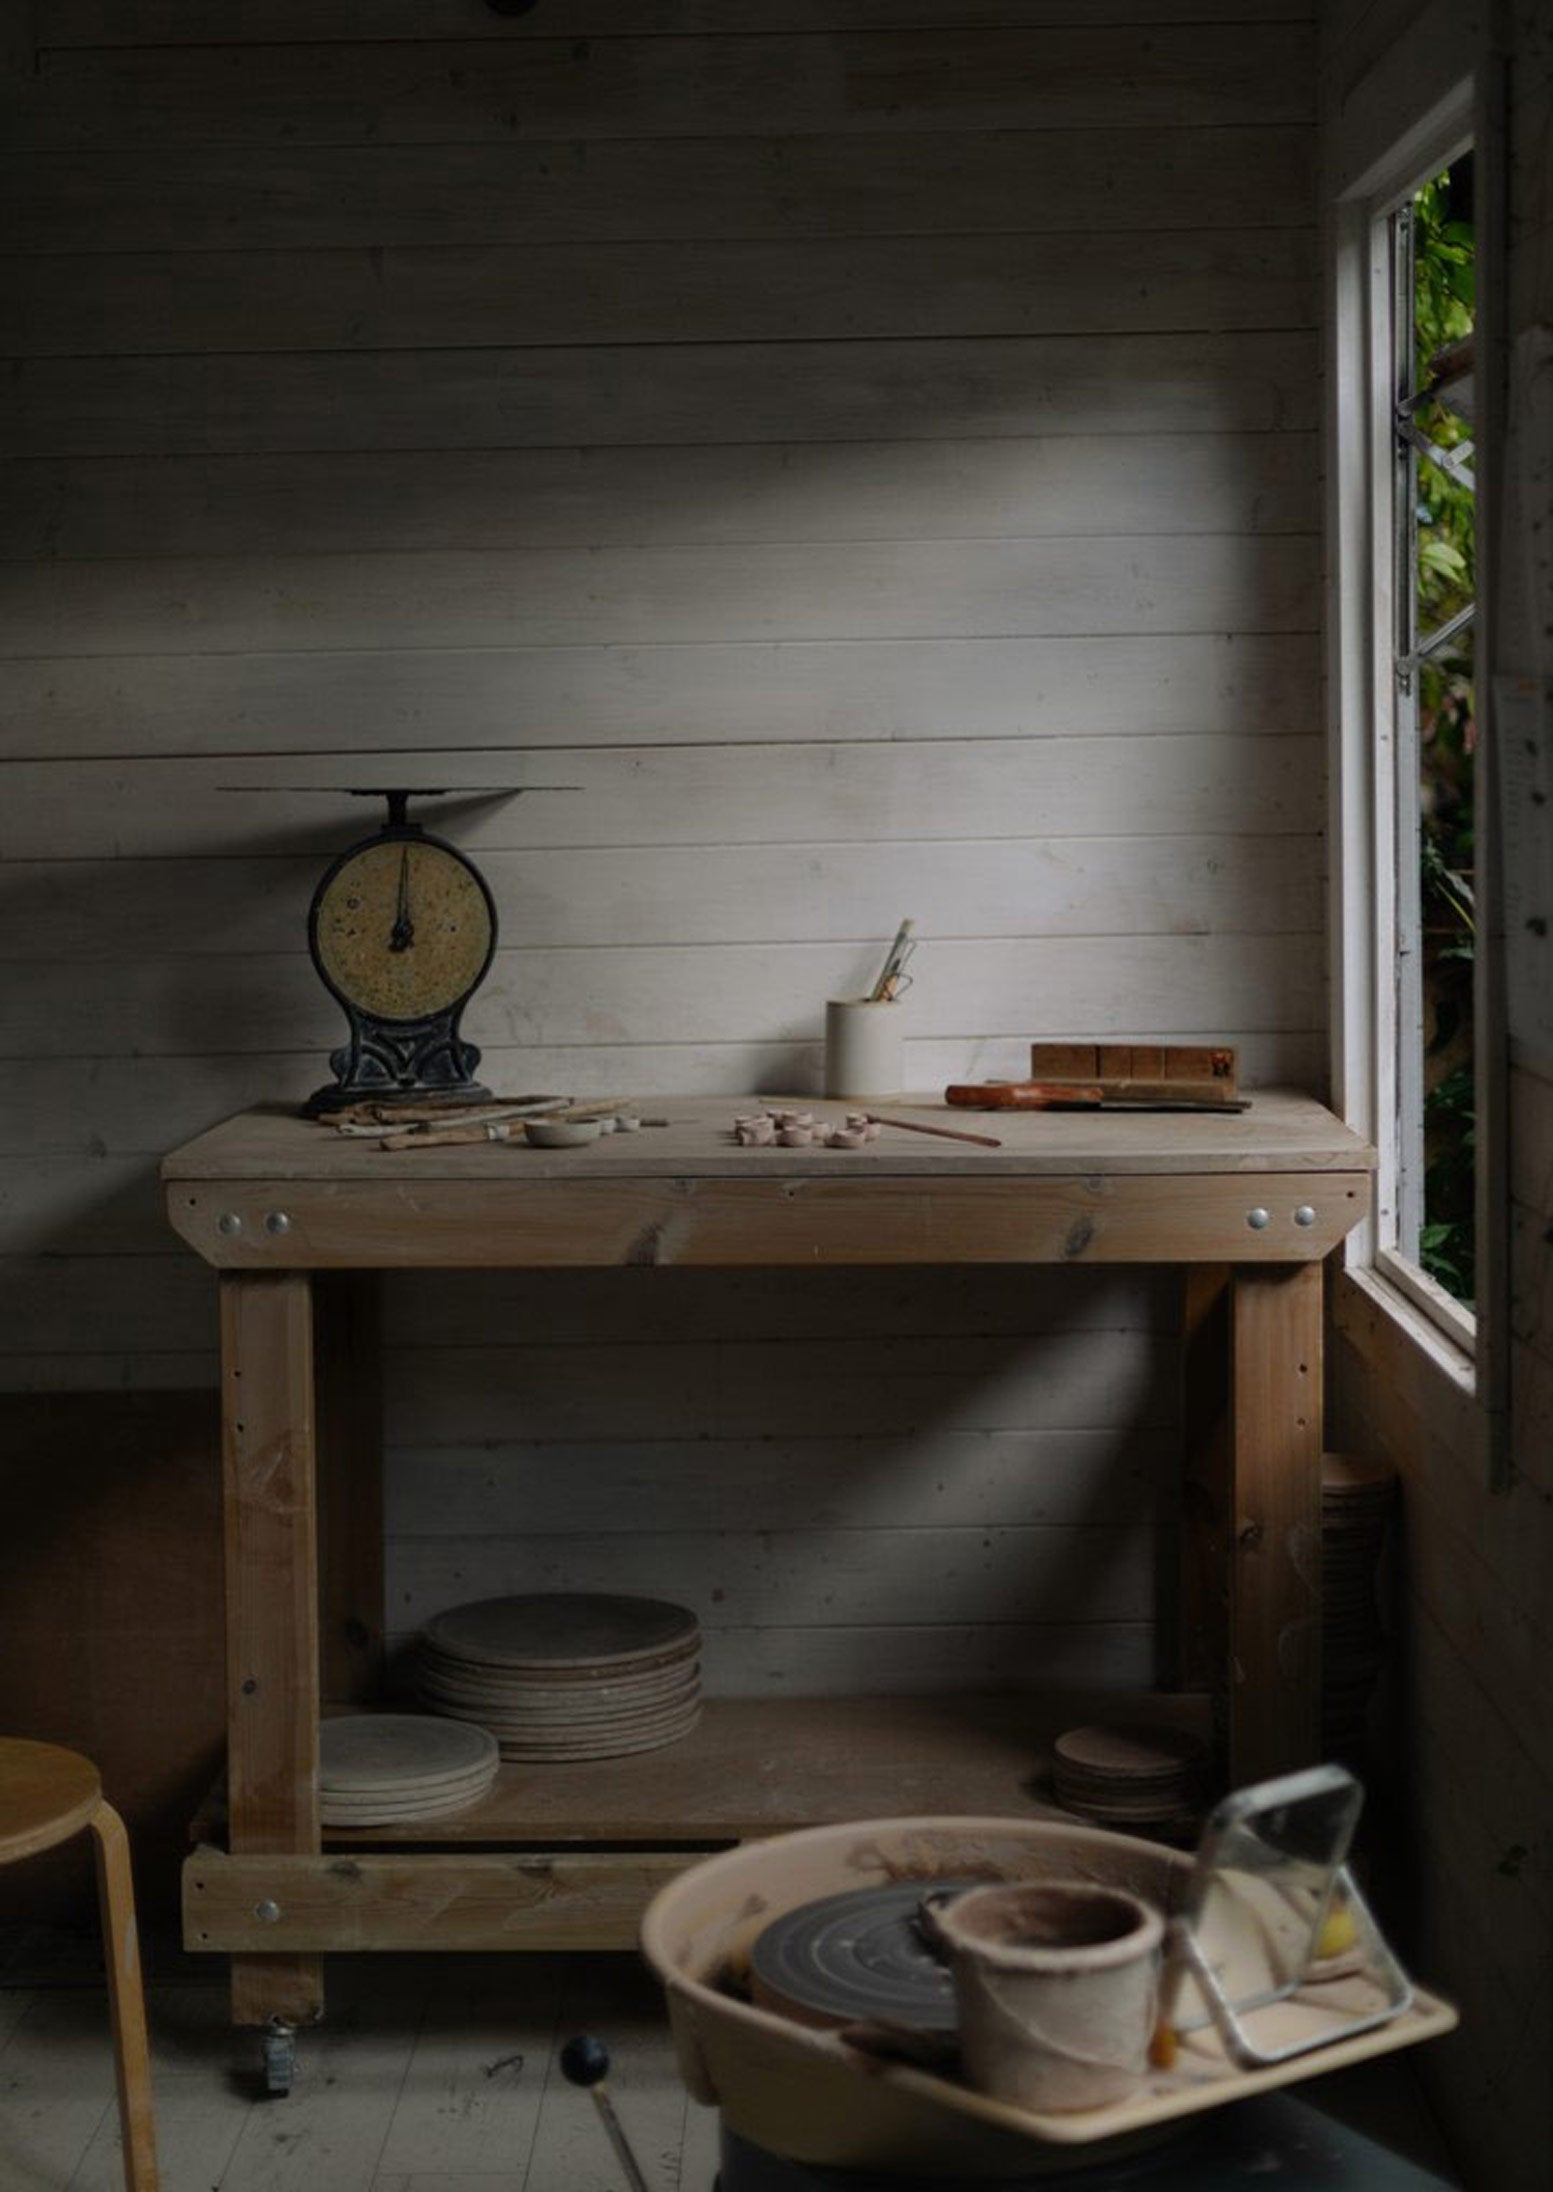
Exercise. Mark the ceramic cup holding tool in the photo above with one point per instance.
(863, 1047)
(1057, 1984)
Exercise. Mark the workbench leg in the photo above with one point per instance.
(1275, 1315)
(1202, 1605)
(347, 1327)
(272, 1604)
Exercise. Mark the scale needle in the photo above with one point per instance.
(402, 935)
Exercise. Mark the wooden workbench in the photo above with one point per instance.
(294, 1217)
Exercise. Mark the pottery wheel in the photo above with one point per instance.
(856, 1956)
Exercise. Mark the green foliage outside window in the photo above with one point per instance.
(1445, 538)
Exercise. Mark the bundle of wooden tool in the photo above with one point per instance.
(790, 1127)
(441, 1125)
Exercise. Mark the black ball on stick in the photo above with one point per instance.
(584, 2060)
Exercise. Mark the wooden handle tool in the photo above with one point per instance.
(1085, 1096)
(507, 1127)
(453, 1137)
(947, 1133)
(1023, 1095)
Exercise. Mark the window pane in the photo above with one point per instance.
(1443, 591)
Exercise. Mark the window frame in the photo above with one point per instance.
(1374, 775)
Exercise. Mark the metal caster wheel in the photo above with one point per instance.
(280, 2057)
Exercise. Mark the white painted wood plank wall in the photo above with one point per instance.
(873, 460)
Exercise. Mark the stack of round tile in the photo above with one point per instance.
(1147, 1778)
(559, 1676)
(1356, 1500)
(377, 1769)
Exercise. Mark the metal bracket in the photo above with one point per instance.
(1433, 642)
(1227, 2016)
(1454, 463)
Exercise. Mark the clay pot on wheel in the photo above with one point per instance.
(1057, 1984)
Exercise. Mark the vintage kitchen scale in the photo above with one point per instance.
(402, 930)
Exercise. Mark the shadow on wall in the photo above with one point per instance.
(870, 1481)
(111, 1612)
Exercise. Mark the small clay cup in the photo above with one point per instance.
(1058, 1985)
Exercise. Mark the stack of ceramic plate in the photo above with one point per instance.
(1144, 1779)
(1356, 1499)
(378, 1769)
(559, 1676)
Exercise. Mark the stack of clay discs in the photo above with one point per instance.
(559, 1676)
(1356, 1499)
(381, 1769)
(1139, 1779)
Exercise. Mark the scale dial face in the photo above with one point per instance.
(402, 928)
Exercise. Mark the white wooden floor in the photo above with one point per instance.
(429, 2075)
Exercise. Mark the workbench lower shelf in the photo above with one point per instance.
(567, 1857)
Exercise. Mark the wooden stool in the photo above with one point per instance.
(46, 1795)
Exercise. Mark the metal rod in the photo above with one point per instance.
(947, 1133)
(585, 2062)
(618, 2140)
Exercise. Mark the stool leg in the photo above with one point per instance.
(126, 2001)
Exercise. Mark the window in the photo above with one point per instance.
(1435, 504)
(1406, 891)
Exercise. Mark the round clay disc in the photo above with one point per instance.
(340, 1810)
(374, 1752)
(587, 1743)
(548, 1631)
(385, 1813)
(563, 1681)
(441, 1792)
(584, 1731)
(859, 1955)
(519, 1704)
(463, 1793)
(514, 1682)
(1126, 1754)
(618, 1746)
(1350, 1476)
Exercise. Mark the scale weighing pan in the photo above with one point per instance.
(806, 2095)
